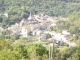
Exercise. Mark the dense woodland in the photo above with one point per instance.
(49, 7)
(20, 49)
(29, 51)
(18, 9)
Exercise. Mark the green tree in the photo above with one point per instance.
(1, 2)
(4, 44)
(7, 55)
(78, 53)
(24, 15)
(20, 51)
(48, 36)
(5, 22)
(37, 51)
(1, 19)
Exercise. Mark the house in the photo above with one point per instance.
(23, 22)
(34, 26)
(53, 24)
(65, 32)
(25, 31)
(72, 44)
(6, 15)
(60, 37)
(50, 19)
(37, 32)
(14, 28)
(43, 25)
(36, 17)
(1, 29)
(41, 37)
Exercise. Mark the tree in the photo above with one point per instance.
(15, 19)
(37, 51)
(4, 44)
(5, 22)
(48, 36)
(20, 51)
(1, 2)
(1, 19)
(78, 53)
(24, 15)
(7, 55)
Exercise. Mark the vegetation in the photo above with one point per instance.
(18, 9)
(18, 52)
(23, 49)
(56, 7)
(72, 25)
(35, 52)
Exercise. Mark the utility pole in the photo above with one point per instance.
(52, 53)
(52, 50)
(49, 53)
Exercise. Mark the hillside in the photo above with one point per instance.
(39, 29)
(50, 7)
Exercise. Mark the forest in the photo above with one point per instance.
(19, 9)
(29, 51)
(50, 7)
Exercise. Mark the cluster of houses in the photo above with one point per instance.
(35, 26)
(39, 26)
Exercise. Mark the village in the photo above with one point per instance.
(41, 27)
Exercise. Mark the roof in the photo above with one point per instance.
(27, 27)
